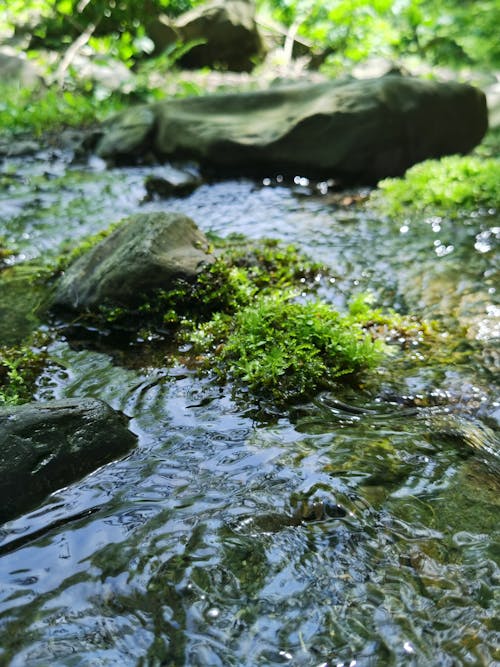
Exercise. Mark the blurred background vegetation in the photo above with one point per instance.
(331, 36)
(443, 32)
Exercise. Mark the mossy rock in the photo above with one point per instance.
(145, 252)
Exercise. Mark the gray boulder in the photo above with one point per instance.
(17, 69)
(229, 31)
(350, 129)
(45, 446)
(146, 251)
(226, 33)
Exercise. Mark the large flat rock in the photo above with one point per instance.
(355, 130)
(45, 446)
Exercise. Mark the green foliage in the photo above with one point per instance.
(50, 110)
(445, 186)
(5, 252)
(449, 32)
(19, 369)
(284, 349)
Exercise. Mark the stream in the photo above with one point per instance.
(358, 529)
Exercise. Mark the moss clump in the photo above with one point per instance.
(19, 369)
(242, 318)
(285, 350)
(241, 270)
(442, 187)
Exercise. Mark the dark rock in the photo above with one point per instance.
(353, 130)
(45, 446)
(230, 33)
(145, 252)
(171, 182)
(162, 32)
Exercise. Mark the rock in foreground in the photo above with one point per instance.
(355, 130)
(145, 252)
(45, 446)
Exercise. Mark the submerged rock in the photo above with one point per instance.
(45, 446)
(170, 182)
(357, 130)
(147, 251)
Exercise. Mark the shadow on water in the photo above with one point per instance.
(359, 528)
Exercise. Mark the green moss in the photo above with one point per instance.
(241, 270)
(5, 252)
(284, 349)
(389, 326)
(19, 369)
(442, 187)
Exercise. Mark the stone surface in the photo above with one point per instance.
(131, 136)
(230, 33)
(171, 182)
(351, 129)
(145, 252)
(161, 30)
(45, 446)
(16, 69)
(19, 147)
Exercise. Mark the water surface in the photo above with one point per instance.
(357, 529)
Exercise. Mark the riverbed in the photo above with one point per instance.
(359, 528)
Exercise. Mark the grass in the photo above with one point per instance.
(46, 110)
(442, 187)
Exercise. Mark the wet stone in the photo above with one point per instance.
(171, 182)
(45, 446)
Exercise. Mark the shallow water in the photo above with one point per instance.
(357, 529)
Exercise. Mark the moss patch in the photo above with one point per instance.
(20, 367)
(253, 318)
(285, 350)
(441, 187)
